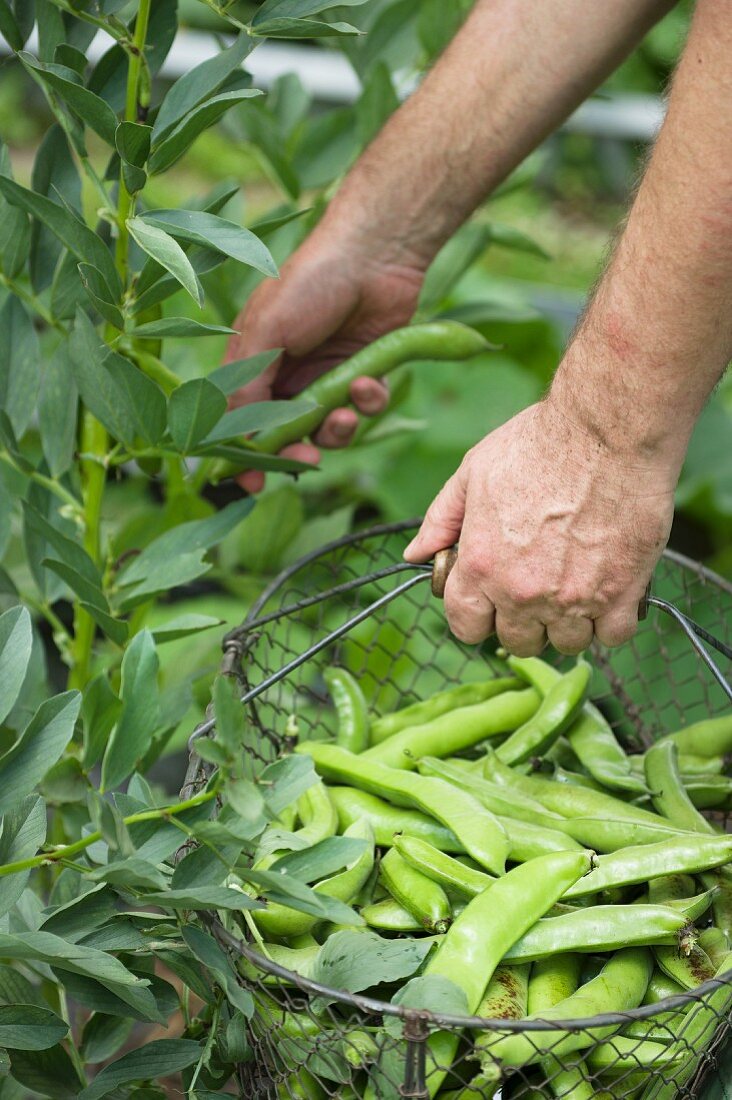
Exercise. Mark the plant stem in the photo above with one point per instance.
(68, 850)
(94, 438)
(94, 442)
(125, 202)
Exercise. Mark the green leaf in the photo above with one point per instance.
(67, 289)
(303, 28)
(257, 417)
(207, 897)
(16, 642)
(232, 376)
(48, 1072)
(163, 576)
(297, 9)
(54, 174)
(77, 237)
(231, 719)
(285, 780)
(186, 327)
(69, 551)
(128, 404)
(198, 84)
(451, 263)
(354, 961)
(38, 748)
(201, 118)
(509, 237)
(100, 294)
(22, 833)
(28, 1027)
(92, 599)
(193, 410)
(97, 114)
(187, 538)
(9, 27)
(99, 712)
(207, 951)
(297, 895)
(15, 230)
(155, 1060)
(167, 252)
(58, 411)
(245, 799)
(322, 859)
(103, 1036)
(20, 364)
(138, 721)
(182, 626)
(378, 101)
(132, 140)
(211, 231)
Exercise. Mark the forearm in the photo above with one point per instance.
(515, 71)
(658, 335)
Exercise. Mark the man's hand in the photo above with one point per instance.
(558, 535)
(331, 300)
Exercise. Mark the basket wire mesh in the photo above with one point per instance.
(311, 1042)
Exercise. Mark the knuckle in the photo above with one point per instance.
(614, 634)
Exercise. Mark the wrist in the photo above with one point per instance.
(617, 400)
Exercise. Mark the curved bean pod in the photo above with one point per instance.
(387, 820)
(556, 712)
(590, 735)
(497, 799)
(456, 730)
(667, 790)
(464, 695)
(600, 928)
(710, 737)
(441, 868)
(350, 705)
(689, 970)
(620, 985)
(480, 833)
(417, 893)
(689, 852)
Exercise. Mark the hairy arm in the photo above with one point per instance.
(512, 74)
(563, 512)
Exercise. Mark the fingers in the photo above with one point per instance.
(443, 523)
(369, 395)
(571, 635)
(338, 428)
(470, 614)
(618, 625)
(521, 635)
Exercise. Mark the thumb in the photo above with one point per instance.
(443, 522)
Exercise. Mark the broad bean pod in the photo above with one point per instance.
(456, 730)
(710, 737)
(667, 789)
(590, 735)
(442, 868)
(351, 709)
(480, 833)
(600, 928)
(688, 967)
(480, 937)
(695, 1033)
(557, 797)
(556, 712)
(416, 892)
(690, 852)
(464, 695)
(387, 820)
(620, 985)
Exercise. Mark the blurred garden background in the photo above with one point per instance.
(519, 272)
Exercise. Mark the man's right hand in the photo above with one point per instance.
(331, 299)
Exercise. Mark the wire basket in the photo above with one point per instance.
(307, 1040)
